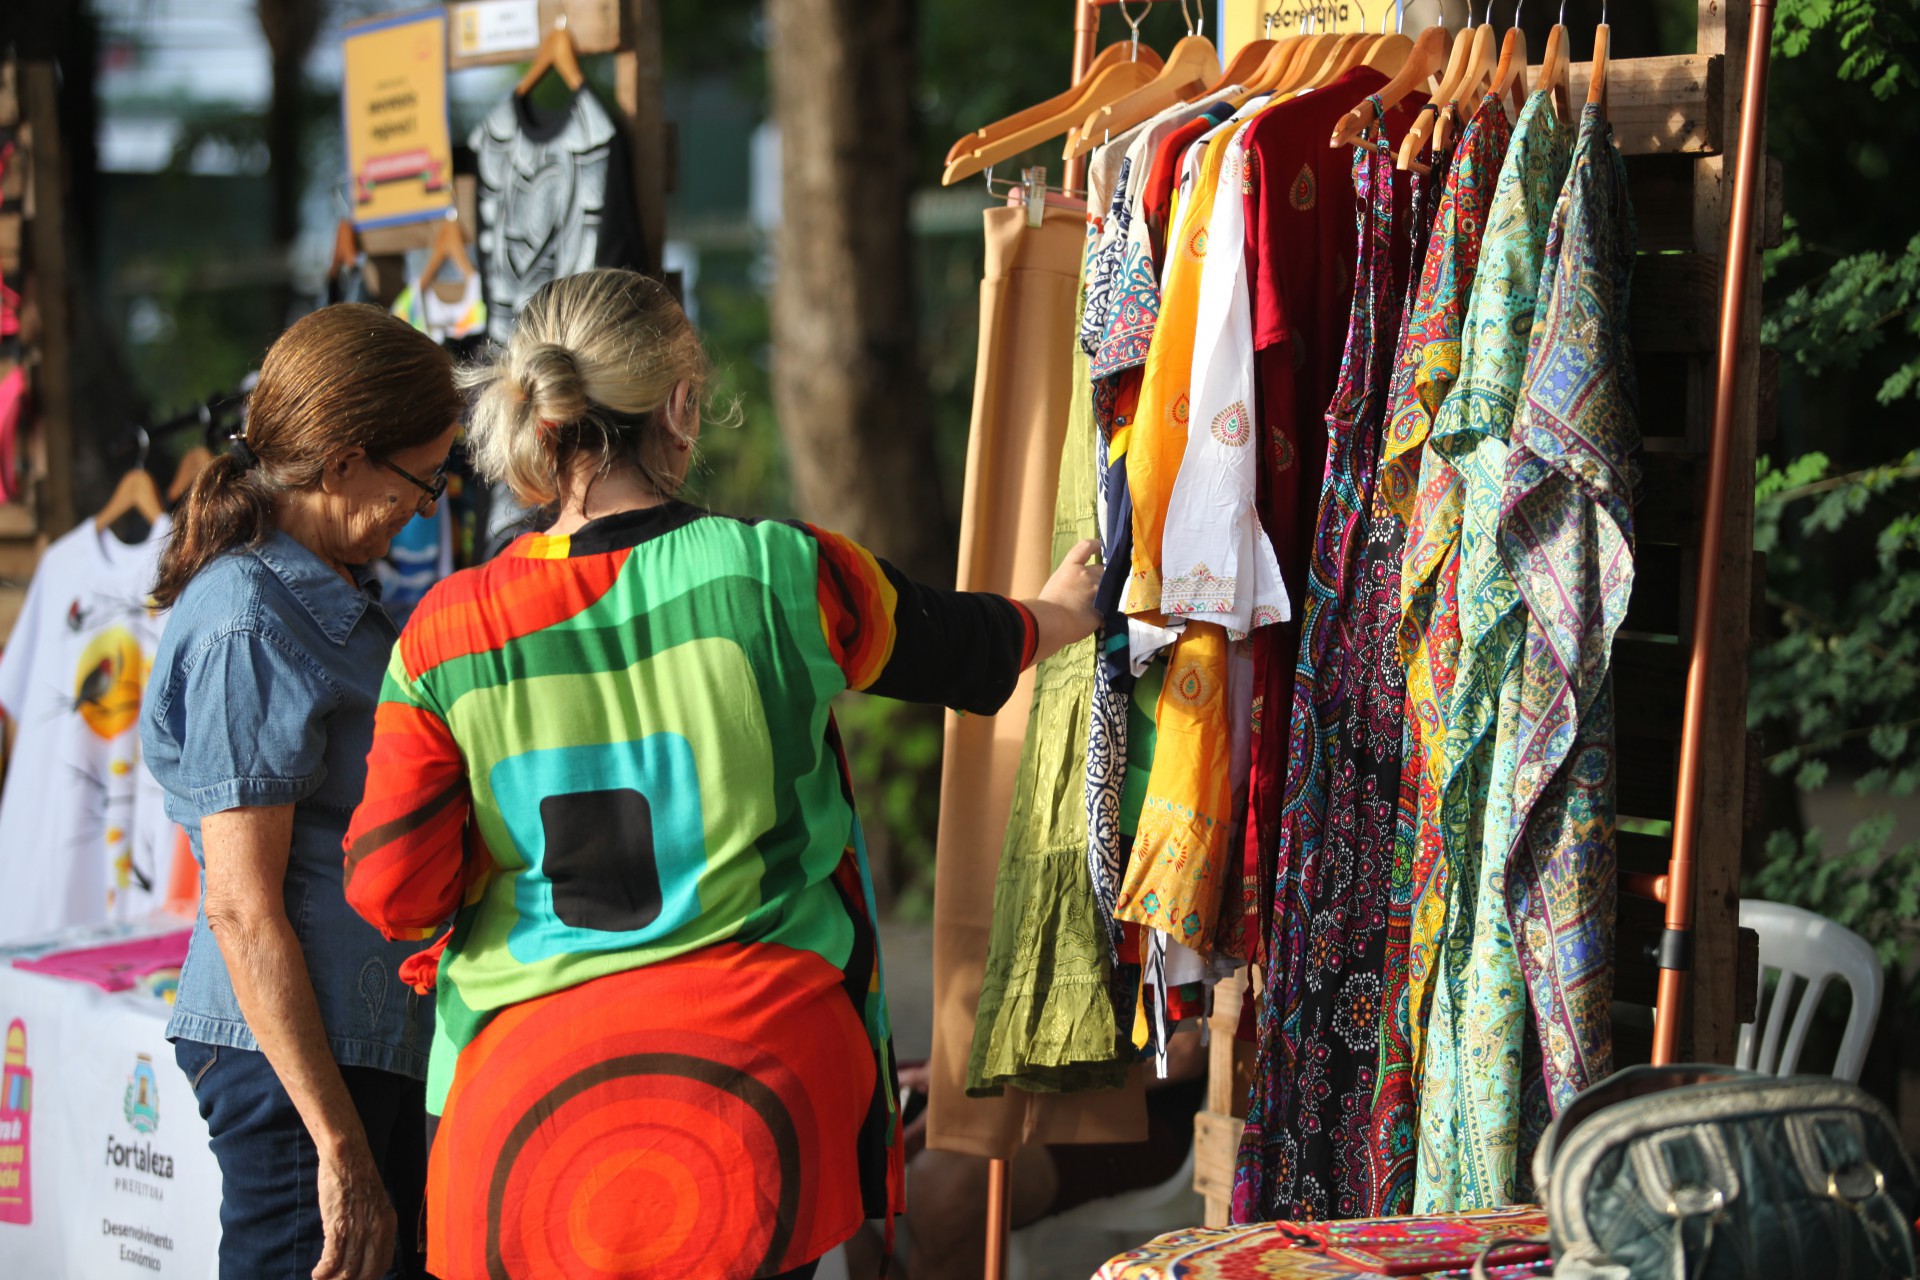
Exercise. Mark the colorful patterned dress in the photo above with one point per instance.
(1420, 491)
(1123, 306)
(1471, 1081)
(1566, 535)
(661, 1043)
(1320, 1019)
(1183, 851)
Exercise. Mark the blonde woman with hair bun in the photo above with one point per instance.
(606, 773)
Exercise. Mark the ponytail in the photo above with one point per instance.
(229, 506)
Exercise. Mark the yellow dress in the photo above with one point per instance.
(1173, 878)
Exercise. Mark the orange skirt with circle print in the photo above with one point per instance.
(695, 1118)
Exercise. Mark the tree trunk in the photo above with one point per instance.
(847, 381)
(290, 27)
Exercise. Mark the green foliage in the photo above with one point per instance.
(1831, 323)
(893, 749)
(1876, 38)
(1868, 887)
(1841, 684)
(1835, 691)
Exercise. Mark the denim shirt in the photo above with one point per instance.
(263, 693)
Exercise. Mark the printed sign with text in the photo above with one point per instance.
(394, 103)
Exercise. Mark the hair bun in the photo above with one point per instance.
(549, 378)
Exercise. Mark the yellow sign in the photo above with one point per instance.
(1244, 20)
(394, 103)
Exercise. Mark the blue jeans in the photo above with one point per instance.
(269, 1171)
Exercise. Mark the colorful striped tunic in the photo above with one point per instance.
(662, 1042)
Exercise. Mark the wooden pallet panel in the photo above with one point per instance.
(1711, 1025)
(1636, 976)
(12, 600)
(1675, 303)
(1658, 577)
(1662, 186)
(1645, 766)
(1665, 511)
(1661, 105)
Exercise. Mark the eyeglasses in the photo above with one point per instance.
(433, 489)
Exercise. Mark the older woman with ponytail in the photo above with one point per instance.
(304, 1045)
(607, 758)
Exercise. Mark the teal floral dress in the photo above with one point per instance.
(1469, 1108)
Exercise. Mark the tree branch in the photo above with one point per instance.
(1838, 482)
(1835, 739)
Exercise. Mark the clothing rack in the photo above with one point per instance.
(1686, 974)
(221, 409)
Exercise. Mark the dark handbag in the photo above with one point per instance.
(1708, 1173)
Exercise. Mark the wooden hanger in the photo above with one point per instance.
(1597, 76)
(1423, 124)
(1510, 77)
(557, 55)
(449, 245)
(135, 492)
(1286, 66)
(1244, 65)
(1351, 51)
(346, 248)
(1326, 66)
(1556, 73)
(1096, 91)
(1112, 55)
(1466, 96)
(1427, 58)
(1388, 54)
(191, 464)
(1320, 46)
(1189, 69)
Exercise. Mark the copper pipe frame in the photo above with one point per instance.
(1643, 884)
(1676, 943)
(999, 1216)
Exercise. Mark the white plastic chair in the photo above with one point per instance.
(1803, 947)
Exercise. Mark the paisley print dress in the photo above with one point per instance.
(1471, 1077)
(1302, 1153)
(1419, 494)
(1566, 535)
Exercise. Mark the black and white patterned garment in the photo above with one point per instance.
(555, 199)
